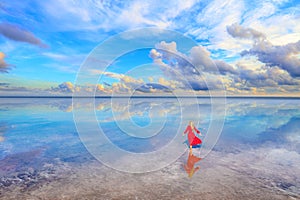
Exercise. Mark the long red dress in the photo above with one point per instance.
(193, 140)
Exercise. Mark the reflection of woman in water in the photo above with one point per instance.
(189, 167)
(193, 140)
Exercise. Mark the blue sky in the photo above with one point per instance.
(254, 44)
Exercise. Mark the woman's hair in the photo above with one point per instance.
(191, 123)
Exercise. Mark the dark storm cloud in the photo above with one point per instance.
(15, 33)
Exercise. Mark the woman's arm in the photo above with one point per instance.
(186, 130)
(197, 131)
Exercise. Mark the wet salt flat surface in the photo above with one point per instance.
(256, 157)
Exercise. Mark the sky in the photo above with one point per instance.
(242, 47)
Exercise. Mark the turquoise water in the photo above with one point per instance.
(38, 132)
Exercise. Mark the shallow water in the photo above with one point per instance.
(43, 156)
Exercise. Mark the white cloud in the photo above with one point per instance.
(195, 71)
(198, 71)
(4, 67)
(136, 15)
(113, 16)
(212, 22)
(279, 25)
(67, 88)
(274, 68)
(284, 56)
(238, 31)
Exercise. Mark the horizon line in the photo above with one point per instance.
(155, 96)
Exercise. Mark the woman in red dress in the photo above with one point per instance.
(193, 140)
